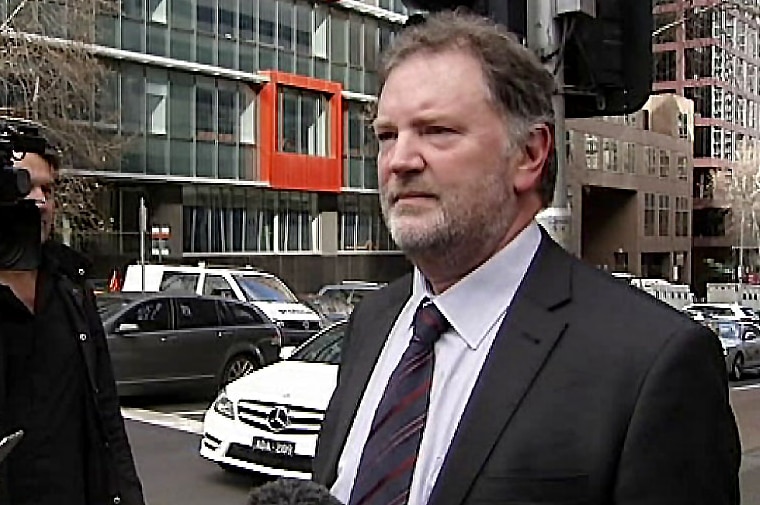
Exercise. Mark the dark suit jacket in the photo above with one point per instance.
(593, 393)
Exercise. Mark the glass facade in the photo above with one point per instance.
(248, 220)
(186, 125)
(295, 36)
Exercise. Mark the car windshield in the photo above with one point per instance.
(259, 288)
(325, 347)
(727, 330)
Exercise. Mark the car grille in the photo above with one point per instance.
(301, 325)
(295, 463)
(303, 421)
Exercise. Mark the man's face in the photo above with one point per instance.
(445, 166)
(42, 177)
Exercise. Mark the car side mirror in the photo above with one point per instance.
(125, 328)
(750, 336)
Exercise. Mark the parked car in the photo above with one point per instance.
(163, 342)
(725, 311)
(268, 421)
(741, 345)
(262, 289)
(335, 302)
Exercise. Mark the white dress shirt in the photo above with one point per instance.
(475, 306)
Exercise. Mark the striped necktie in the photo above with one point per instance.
(387, 463)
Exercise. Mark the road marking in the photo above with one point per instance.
(190, 412)
(745, 388)
(163, 419)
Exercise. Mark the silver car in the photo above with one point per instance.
(741, 345)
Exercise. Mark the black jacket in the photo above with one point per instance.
(114, 454)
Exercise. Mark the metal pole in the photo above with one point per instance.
(545, 38)
(741, 255)
(143, 231)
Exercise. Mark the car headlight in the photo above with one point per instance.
(224, 406)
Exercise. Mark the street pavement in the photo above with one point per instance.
(165, 433)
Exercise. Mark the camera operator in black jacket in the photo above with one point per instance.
(56, 381)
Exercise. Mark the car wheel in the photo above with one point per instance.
(238, 366)
(737, 368)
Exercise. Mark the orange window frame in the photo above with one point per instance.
(297, 171)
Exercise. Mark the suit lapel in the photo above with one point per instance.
(525, 339)
(368, 337)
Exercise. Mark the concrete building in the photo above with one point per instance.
(630, 189)
(708, 51)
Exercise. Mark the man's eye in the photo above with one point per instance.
(383, 136)
(437, 130)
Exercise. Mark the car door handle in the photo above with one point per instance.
(221, 334)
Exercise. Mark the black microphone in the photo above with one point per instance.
(292, 492)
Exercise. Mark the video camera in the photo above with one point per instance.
(20, 227)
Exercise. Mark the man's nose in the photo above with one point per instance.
(405, 154)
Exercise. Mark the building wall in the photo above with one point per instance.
(630, 183)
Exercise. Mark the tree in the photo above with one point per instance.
(49, 75)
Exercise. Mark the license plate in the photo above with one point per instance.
(273, 446)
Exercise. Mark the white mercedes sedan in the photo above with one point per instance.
(268, 421)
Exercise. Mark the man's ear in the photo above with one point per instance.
(532, 158)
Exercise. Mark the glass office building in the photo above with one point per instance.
(248, 135)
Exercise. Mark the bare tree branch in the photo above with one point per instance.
(64, 87)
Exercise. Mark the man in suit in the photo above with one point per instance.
(537, 378)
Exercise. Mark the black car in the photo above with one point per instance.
(161, 342)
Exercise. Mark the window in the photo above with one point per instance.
(237, 314)
(204, 109)
(180, 282)
(133, 99)
(664, 215)
(682, 216)
(611, 155)
(149, 316)
(649, 210)
(360, 152)
(156, 104)
(664, 163)
(629, 160)
(296, 218)
(683, 168)
(361, 224)
(227, 13)
(665, 66)
(304, 122)
(247, 115)
(592, 152)
(226, 121)
(196, 313)
(683, 125)
(157, 9)
(216, 285)
(666, 26)
(206, 16)
(652, 161)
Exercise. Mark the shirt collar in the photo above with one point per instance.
(477, 302)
